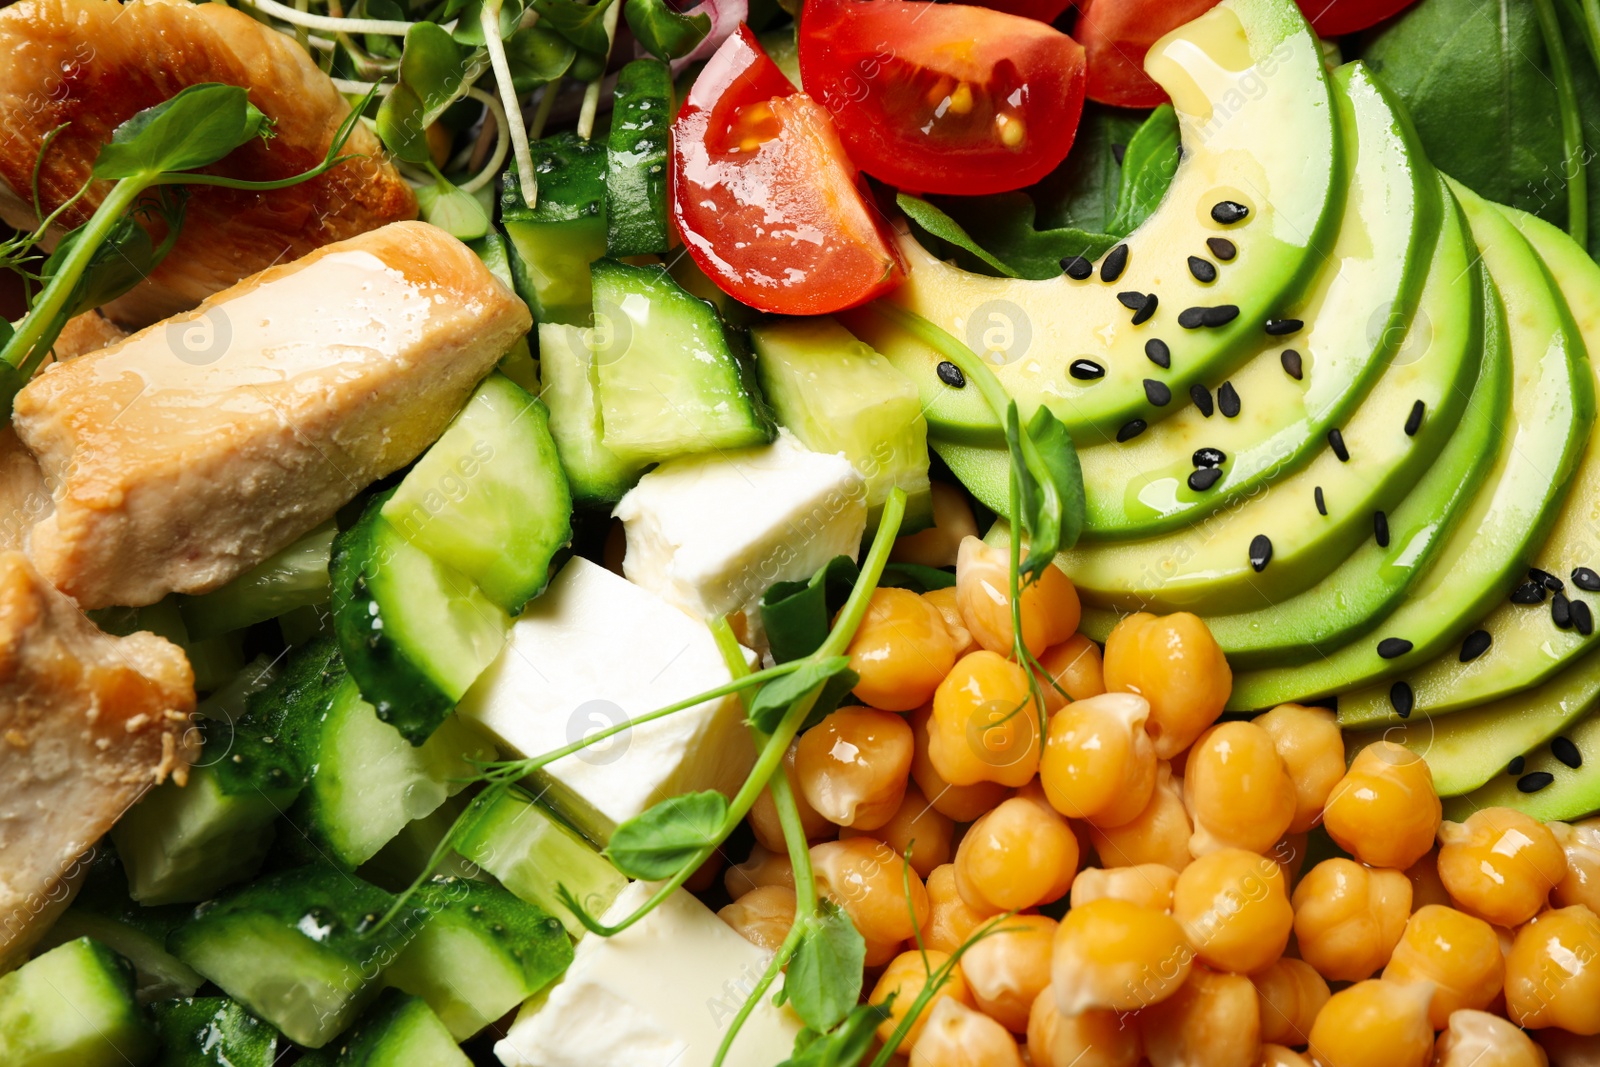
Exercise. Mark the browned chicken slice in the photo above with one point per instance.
(24, 499)
(88, 722)
(94, 63)
(198, 447)
(89, 332)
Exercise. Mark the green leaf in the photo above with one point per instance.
(433, 74)
(846, 1045)
(663, 32)
(1006, 221)
(1082, 193)
(945, 228)
(582, 24)
(197, 127)
(824, 977)
(11, 379)
(796, 616)
(537, 56)
(657, 843)
(1051, 484)
(381, 44)
(123, 260)
(916, 577)
(469, 21)
(777, 696)
(460, 214)
(1148, 164)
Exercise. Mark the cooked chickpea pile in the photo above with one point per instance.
(1171, 846)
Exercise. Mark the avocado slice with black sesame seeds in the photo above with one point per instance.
(1552, 409)
(1258, 130)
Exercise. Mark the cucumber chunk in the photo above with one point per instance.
(667, 380)
(295, 577)
(410, 852)
(553, 243)
(636, 161)
(399, 1031)
(213, 1032)
(489, 498)
(597, 475)
(73, 1007)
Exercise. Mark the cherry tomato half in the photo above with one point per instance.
(764, 196)
(1042, 10)
(1116, 34)
(1335, 18)
(943, 98)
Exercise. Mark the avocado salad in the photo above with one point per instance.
(799, 533)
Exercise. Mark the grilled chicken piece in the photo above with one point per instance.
(89, 332)
(24, 499)
(197, 448)
(88, 722)
(94, 63)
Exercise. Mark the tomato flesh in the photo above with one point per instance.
(1116, 34)
(765, 196)
(1040, 10)
(1335, 18)
(943, 98)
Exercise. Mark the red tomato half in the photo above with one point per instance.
(1117, 33)
(1335, 18)
(1042, 10)
(943, 98)
(766, 199)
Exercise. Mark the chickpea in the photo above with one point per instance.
(1291, 993)
(1375, 1023)
(902, 650)
(916, 826)
(1098, 763)
(905, 977)
(1088, 1039)
(1213, 1021)
(1478, 1039)
(1278, 1056)
(957, 1036)
(763, 816)
(944, 601)
(867, 880)
(961, 803)
(1160, 833)
(950, 921)
(1384, 811)
(937, 545)
(985, 725)
(1348, 918)
(1173, 662)
(1075, 666)
(1500, 865)
(1290, 855)
(1234, 908)
(1021, 854)
(853, 766)
(1237, 789)
(1553, 972)
(762, 916)
(1458, 953)
(1581, 884)
(1148, 885)
(1115, 955)
(1312, 748)
(1426, 887)
(1008, 968)
(763, 868)
(1049, 609)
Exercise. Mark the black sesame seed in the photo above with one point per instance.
(1476, 644)
(1390, 647)
(1336, 442)
(1222, 248)
(1228, 400)
(1077, 268)
(1203, 269)
(1586, 579)
(1157, 352)
(1292, 365)
(1228, 212)
(1284, 327)
(1191, 318)
(1402, 699)
(1086, 370)
(1131, 429)
(1204, 479)
(1534, 781)
(1564, 750)
(1221, 315)
(951, 375)
(1114, 264)
(1380, 528)
(1142, 316)
(1157, 393)
(1132, 300)
(1561, 611)
(1209, 457)
(1551, 582)
(1582, 618)
(1202, 399)
(1528, 593)
(1414, 420)
(1322, 504)
(1516, 764)
(1260, 552)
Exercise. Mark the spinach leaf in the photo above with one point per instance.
(845, 1046)
(1082, 193)
(193, 129)
(776, 697)
(1148, 165)
(824, 978)
(663, 32)
(579, 23)
(945, 228)
(657, 843)
(797, 615)
(1007, 223)
(1050, 481)
(433, 71)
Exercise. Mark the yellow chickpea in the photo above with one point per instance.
(1213, 1021)
(1009, 967)
(1375, 1023)
(937, 545)
(1458, 953)
(1173, 662)
(763, 916)
(1290, 855)
(961, 803)
(1478, 1039)
(1148, 885)
(1348, 918)
(1074, 666)
(1384, 811)
(1581, 884)
(1020, 855)
(763, 868)
(905, 977)
(1110, 954)
(902, 650)
(950, 921)
(985, 725)
(944, 602)
(957, 1036)
(1049, 609)
(1500, 865)
(1160, 833)
(853, 766)
(1088, 1039)
(1312, 748)
(1278, 1056)
(1234, 908)
(865, 878)
(763, 816)
(1553, 972)
(1098, 763)
(1291, 993)
(916, 826)
(1237, 789)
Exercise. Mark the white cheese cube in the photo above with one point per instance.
(711, 533)
(660, 994)
(596, 650)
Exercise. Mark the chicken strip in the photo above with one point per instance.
(94, 63)
(89, 332)
(88, 722)
(199, 447)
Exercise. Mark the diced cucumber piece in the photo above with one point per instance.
(517, 364)
(410, 852)
(553, 243)
(667, 380)
(297, 948)
(414, 632)
(532, 852)
(636, 161)
(837, 395)
(73, 1007)
(489, 498)
(481, 953)
(228, 703)
(213, 1032)
(399, 1031)
(596, 474)
(295, 577)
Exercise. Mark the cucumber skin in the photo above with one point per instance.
(569, 218)
(397, 1031)
(636, 164)
(213, 1032)
(527, 933)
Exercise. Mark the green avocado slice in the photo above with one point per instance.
(1572, 792)
(1552, 408)
(1257, 124)
(1525, 645)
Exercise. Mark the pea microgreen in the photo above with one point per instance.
(659, 842)
(825, 974)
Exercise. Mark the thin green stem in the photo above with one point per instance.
(1589, 18)
(527, 177)
(1571, 121)
(966, 360)
(591, 92)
